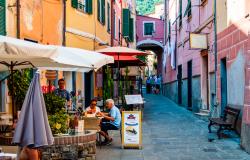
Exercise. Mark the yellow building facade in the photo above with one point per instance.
(87, 27)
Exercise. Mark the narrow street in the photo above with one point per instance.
(171, 132)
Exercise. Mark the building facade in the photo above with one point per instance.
(217, 76)
(188, 73)
(150, 36)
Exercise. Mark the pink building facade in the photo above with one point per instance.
(188, 74)
(150, 36)
(190, 77)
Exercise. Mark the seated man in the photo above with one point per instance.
(110, 122)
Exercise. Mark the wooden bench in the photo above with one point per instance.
(227, 122)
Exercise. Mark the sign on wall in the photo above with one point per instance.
(198, 41)
(131, 129)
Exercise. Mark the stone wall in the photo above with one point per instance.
(81, 151)
(170, 90)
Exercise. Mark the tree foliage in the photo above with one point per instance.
(144, 7)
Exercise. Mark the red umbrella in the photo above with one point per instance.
(121, 51)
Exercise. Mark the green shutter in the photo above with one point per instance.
(180, 12)
(108, 14)
(131, 29)
(74, 3)
(125, 22)
(89, 5)
(103, 12)
(98, 10)
(2, 18)
(188, 9)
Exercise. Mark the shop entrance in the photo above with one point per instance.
(88, 83)
(189, 84)
(223, 81)
(179, 77)
(205, 83)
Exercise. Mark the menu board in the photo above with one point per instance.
(134, 99)
(131, 129)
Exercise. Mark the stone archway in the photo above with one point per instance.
(155, 46)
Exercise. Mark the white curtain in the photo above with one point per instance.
(173, 56)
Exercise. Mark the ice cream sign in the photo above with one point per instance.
(131, 129)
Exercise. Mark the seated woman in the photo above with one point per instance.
(92, 109)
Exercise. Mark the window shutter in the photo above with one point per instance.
(89, 5)
(188, 9)
(108, 18)
(98, 10)
(180, 12)
(74, 3)
(131, 29)
(2, 18)
(103, 12)
(125, 22)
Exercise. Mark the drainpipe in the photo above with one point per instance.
(111, 21)
(18, 18)
(165, 22)
(215, 48)
(120, 32)
(64, 24)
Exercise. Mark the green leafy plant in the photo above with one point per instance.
(20, 86)
(108, 87)
(54, 103)
(57, 116)
(59, 122)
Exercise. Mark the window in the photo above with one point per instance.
(2, 18)
(82, 5)
(188, 10)
(148, 28)
(108, 18)
(125, 22)
(101, 11)
(180, 13)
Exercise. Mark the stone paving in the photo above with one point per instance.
(171, 132)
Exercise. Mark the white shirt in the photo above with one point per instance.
(96, 111)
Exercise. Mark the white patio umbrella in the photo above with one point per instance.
(20, 54)
(23, 54)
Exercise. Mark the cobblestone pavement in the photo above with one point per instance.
(171, 132)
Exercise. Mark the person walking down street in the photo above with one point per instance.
(148, 85)
(158, 85)
(110, 122)
(152, 84)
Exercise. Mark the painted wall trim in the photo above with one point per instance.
(84, 34)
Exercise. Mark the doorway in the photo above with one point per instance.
(223, 83)
(179, 77)
(189, 83)
(88, 83)
(205, 83)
